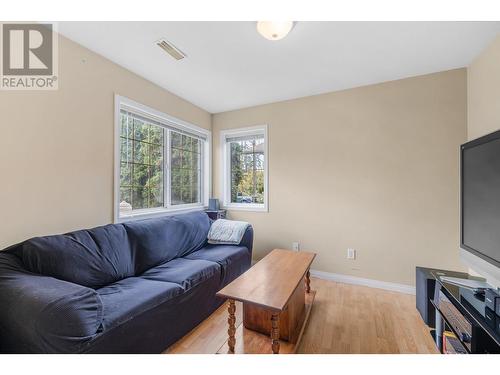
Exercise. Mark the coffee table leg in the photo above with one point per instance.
(275, 333)
(308, 282)
(231, 309)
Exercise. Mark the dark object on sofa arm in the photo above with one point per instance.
(122, 288)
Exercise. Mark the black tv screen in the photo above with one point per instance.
(480, 197)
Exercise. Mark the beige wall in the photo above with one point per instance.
(483, 78)
(373, 168)
(56, 148)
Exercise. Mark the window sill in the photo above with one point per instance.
(147, 214)
(246, 207)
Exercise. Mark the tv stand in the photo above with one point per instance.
(462, 321)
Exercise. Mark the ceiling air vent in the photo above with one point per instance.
(170, 49)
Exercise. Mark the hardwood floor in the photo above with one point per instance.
(357, 319)
(344, 319)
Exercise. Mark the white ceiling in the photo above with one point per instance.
(229, 66)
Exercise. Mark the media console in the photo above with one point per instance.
(461, 320)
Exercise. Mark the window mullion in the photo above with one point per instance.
(228, 191)
(201, 171)
(167, 169)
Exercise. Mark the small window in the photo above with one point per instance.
(163, 163)
(245, 168)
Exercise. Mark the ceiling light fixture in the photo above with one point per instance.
(274, 30)
(169, 48)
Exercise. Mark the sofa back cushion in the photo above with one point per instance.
(156, 241)
(92, 258)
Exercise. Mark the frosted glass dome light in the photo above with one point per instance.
(274, 30)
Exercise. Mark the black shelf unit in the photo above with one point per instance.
(458, 310)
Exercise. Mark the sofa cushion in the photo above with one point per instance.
(156, 241)
(132, 296)
(186, 273)
(234, 260)
(92, 258)
(41, 314)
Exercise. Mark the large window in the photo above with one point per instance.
(245, 168)
(162, 163)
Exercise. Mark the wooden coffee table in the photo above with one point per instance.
(274, 294)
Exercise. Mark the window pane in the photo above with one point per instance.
(186, 195)
(186, 178)
(125, 174)
(186, 159)
(141, 130)
(126, 150)
(176, 160)
(186, 142)
(156, 155)
(185, 169)
(196, 146)
(247, 171)
(125, 196)
(195, 161)
(125, 129)
(140, 152)
(175, 177)
(138, 198)
(155, 186)
(140, 174)
(176, 195)
(156, 135)
(195, 186)
(176, 139)
(141, 161)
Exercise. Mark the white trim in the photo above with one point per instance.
(167, 197)
(155, 212)
(141, 109)
(226, 200)
(206, 185)
(116, 162)
(207, 165)
(354, 280)
(255, 207)
(347, 279)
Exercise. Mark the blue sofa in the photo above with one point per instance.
(135, 287)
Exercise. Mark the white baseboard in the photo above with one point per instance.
(347, 279)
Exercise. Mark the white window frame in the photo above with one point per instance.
(122, 102)
(226, 163)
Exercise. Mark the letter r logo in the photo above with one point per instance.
(27, 49)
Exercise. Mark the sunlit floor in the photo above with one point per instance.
(344, 319)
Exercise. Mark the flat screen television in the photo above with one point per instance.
(480, 197)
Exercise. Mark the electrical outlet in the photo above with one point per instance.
(295, 246)
(351, 253)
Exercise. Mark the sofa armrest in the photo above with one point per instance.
(247, 239)
(41, 314)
